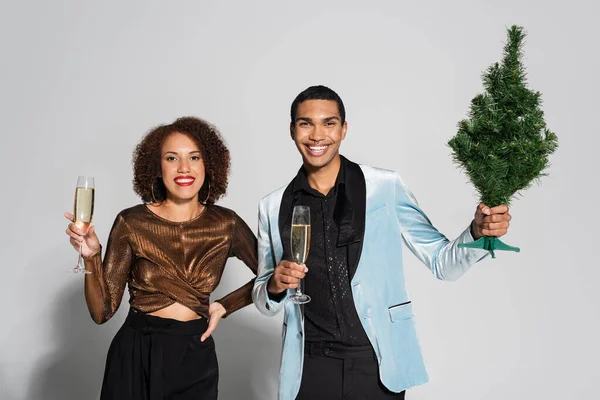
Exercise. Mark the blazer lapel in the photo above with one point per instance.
(356, 194)
(285, 219)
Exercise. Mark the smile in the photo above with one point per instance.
(317, 150)
(184, 180)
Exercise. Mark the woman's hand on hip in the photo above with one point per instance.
(215, 312)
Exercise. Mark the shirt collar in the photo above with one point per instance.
(301, 179)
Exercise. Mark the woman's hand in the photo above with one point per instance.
(215, 312)
(89, 242)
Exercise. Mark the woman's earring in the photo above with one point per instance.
(152, 191)
(208, 195)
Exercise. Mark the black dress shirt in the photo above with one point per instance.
(331, 315)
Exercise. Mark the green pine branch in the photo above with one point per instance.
(504, 145)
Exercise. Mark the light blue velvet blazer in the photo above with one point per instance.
(391, 215)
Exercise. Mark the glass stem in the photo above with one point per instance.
(80, 259)
(298, 289)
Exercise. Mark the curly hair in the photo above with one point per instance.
(147, 181)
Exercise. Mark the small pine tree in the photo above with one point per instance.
(504, 145)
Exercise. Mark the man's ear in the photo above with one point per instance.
(292, 130)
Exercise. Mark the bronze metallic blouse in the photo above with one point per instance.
(164, 262)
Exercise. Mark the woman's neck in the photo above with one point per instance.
(179, 210)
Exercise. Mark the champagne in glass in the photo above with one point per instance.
(300, 243)
(83, 211)
(300, 238)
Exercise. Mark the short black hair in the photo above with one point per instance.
(317, 93)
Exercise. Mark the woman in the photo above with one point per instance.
(171, 252)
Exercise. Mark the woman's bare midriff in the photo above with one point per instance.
(176, 311)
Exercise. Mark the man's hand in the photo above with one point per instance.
(490, 221)
(286, 276)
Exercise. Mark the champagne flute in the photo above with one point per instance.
(300, 238)
(83, 212)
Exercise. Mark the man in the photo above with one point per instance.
(356, 338)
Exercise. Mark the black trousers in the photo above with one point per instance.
(152, 358)
(336, 372)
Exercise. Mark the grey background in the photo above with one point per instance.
(80, 83)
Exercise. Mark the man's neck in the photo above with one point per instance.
(323, 179)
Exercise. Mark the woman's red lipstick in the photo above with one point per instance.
(184, 180)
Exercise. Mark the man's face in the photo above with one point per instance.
(318, 132)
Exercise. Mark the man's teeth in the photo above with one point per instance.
(317, 148)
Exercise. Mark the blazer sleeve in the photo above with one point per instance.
(266, 265)
(443, 257)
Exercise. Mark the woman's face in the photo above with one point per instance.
(182, 168)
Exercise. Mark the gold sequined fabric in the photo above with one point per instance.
(163, 262)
